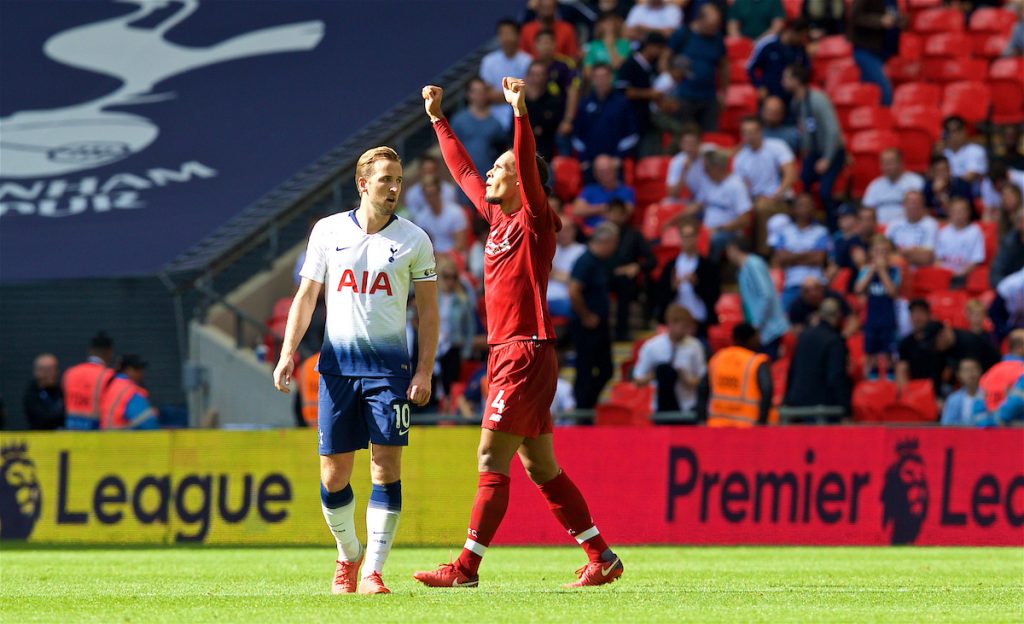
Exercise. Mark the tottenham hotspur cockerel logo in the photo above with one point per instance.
(20, 498)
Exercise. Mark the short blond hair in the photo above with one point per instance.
(364, 166)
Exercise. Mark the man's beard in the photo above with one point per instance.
(492, 200)
(383, 209)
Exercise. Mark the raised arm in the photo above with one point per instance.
(454, 153)
(535, 200)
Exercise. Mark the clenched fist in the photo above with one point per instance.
(515, 94)
(432, 102)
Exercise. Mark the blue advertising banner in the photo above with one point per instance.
(131, 129)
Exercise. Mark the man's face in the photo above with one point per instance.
(848, 223)
(717, 173)
(956, 135)
(544, 46)
(792, 37)
(604, 249)
(690, 144)
(940, 169)
(913, 207)
(536, 77)
(602, 81)
(428, 168)
(137, 375)
(710, 19)
(45, 371)
(773, 111)
(678, 328)
(508, 38)
(432, 193)
(812, 293)
(789, 83)
(969, 374)
(803, 209)
(688, 240)
(866, 223)
(567, 235)
(384, 185)
(606, 171)
(959, 213)
(546, 8)
(751, 133)
(919, 318)
(477, 94)
(502, 179)
(891, 165)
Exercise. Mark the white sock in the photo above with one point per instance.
(342, 522)
(381, 526)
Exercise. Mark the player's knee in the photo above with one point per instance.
(489, 461)
(385, 468)
(332, 478)
(541, 472)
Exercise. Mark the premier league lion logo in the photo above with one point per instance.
(20, 498)
(905, 494)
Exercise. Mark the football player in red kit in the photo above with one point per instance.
(522, 367)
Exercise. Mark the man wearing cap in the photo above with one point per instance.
(83, 383)
(124, 403)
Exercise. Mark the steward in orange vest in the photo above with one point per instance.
(309, 389)
(125, 403)
(739, 383)
(996, 381)
(83, 384)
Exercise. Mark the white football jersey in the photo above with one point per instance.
(366, 281)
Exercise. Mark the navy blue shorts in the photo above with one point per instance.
(879, 340)
(354, 411)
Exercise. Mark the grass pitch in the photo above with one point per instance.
(661, 584)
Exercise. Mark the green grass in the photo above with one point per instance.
(517, 585)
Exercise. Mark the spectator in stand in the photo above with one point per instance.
(802, 249)
(686, 169)
(756, 18)
(124, 403)
(960, 245)
(767, 168)
(966, 160)
(762, 307)
(1013, 146)
(475, 257)
(817, 371)
(940, 187)
(821, 144)
(636, 79)
(1012, 203)
(412, 197)
(966, 406)
(849, 248)
(1007, 309)
(563, 79)
(875, 34)
(879, 282)
(737, 391)
(1013, 407)
(978, 324)
(444, 222)
(813, 293)
(44, 398)
(702, 92)
(547, 19)
(609, 45)
(773, 118)
(606, 122)
(1010, 255)
(1015, 45)
(999, 177)
(915, 234)
(775, 52)
(545, 110)
(567, 251)
(824, 17)
(83, 382)
(886, 192)
(654, 16)
(674, 360)
(591, 306)
(507, 60)
(919, 356)
(691, 280)
(457, 323)
(996, 382)
(592, 204)
(631, 266)
(724, 202)
(481, 133)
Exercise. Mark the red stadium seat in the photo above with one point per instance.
(662, 254)
(989, 23)
(1006, 80)
(902, 70)
(740, 101)
(916, 94)
(977, 281)
(780, 377)
(991, 47)
(870, 399)
(866, 147)
(720, 336)
(970, 100)
(568, 177)
(928, 280)
(847, 97)
(918, 127)
(938, 20)
(953, 69)
(841, 280)
(869, 118)
(738, 48)
(738, 72)
(833, 47)
(990, 231)
(617, 415)
(919, 395)
(855, 349)
(649, 179)
(721, 139)
(911, 46)
(948, 307)
(656, 217)
(729, 309)
(922, 5)
(840, 74)
(640, 398)
(947, 45)
(792, 8)
(281, 308)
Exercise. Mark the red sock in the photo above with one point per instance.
(488, 510)
(566, 502)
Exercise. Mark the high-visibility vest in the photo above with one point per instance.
(114, 403)
(997, 380)
(83, 385)
(735, 398)
(309, 389)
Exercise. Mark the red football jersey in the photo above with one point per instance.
(520, 247)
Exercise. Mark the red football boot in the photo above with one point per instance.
(447, 575)
(345, 575)
(373, 584)
(598, 573)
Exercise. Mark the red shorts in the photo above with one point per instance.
(521, 378)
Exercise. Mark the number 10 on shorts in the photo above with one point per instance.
(402, 418)
(499, 405)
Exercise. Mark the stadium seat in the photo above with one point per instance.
(919, 396)
(663, 253)
(911, 46)
(970, 100)
(869, 118)
(988, 23)
(870, 399)
(738, 48)
(866, 147)
(840, 74)
(841, 280)
(953, 69)
(916, 94)
(855, 350)
(847, 97)
(656, 217)
(992, 47)
(281, 308)
(922, 5)
(929, 279)
(738, 72)
(792, 8)
(729, 308)
(938, 20)
(990, 230)
(721, 139)
(618, 415)
(902, 70)
(740, 101)
(947, 45)
(780, 376)
(833, 47)
(948, 307)
(720, 336)
(1006, 81)
(977, 281)
(640, 398)
(918, 127)
(568, 177)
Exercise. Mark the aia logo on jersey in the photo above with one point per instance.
(367, 285)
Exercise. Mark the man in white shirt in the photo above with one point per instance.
(507, 60)
(724, 201)
(686, 169)
(567, 252)
(802, 249)
(654, 16)
(767, 168)
(960, 245)
(885, 193)
(966, 160)
(428, 167)
(914, 234)
(444, 222)
(674, 360)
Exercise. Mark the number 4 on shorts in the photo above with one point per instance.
(498, 404)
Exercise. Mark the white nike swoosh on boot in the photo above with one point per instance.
(608, 570)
